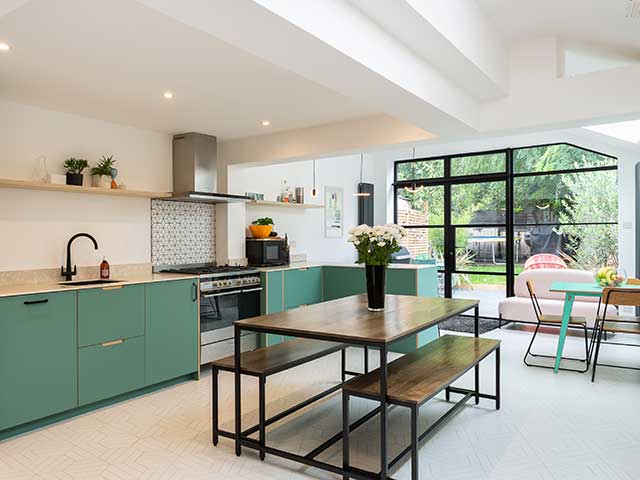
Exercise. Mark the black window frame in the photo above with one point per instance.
(508, 176)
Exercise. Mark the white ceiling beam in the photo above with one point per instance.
(453, 35)
(331, 43)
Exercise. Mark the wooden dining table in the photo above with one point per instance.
(572, 290)
(347, 320)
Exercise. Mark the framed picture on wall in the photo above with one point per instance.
(333, 212)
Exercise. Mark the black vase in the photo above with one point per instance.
(375, 286)
(74, 179)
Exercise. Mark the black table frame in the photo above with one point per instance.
(242, 439)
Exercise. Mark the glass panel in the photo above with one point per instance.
(425, 245)
(423, 207)
(477, 164)
(489, 289)
(556, 157)
(481, 249)
(567, 198)
(478, 203)
(420, 170)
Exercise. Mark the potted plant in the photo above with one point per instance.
(375, 246)
(75, 167)
(102, 173)
(262, 227)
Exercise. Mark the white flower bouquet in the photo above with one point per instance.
(375, 245)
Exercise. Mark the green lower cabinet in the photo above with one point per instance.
(302, 286)
(110, 369)
(38, 373)
(171, 322)
(272, 292)
(340, 282)
(110, 313)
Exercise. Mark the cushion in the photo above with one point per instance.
(544, 277)
(518, 308)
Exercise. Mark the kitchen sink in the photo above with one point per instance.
(96, 281)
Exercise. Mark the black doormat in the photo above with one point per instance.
(461, 323)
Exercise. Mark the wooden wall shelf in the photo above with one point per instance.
(299, 206)
(54, 187)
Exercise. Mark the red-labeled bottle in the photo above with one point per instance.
(105, 271)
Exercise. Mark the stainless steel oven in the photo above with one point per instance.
(218, 311)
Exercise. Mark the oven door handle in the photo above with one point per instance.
(222, 294)
(258, 289)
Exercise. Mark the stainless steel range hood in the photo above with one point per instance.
(195, 175)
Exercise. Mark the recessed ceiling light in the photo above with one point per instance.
(167, 95)
(4, 47)
(266, 123)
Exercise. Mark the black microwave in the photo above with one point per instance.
(267, 252)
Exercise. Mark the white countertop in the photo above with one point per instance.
(298, 265)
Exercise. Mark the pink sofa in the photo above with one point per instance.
(519, 308)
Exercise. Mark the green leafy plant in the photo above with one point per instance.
(263, 221)
(75, 165)
(104, 166)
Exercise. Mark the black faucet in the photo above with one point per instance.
(68, 274)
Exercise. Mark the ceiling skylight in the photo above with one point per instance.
(627, 131)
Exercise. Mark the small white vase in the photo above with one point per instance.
(101, 181)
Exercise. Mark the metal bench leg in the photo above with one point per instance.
(345, 432)
(262, 414)
(498, 378)
(447, 394)
(214, 404)
(344, 364)
(476, 332)
(415, 470)
(366, 359)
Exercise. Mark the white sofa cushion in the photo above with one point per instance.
(544, 277)
(521, 309)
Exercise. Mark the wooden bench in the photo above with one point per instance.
(419, 376)
(267, 361)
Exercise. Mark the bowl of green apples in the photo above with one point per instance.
(610, 277)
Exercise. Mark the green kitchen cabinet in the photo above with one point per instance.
(171, 323)
(340, 282)
(302, 286)
(109, 369)
(110, 313)
(38, 369)
(272, 292)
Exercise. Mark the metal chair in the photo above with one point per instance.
(616, 296)
(555, 321)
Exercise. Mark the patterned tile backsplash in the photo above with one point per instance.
(182, 232)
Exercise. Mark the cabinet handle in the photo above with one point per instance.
(195, 292)
(112, 343)
(303, 269)
(35, 302)
(117, 287)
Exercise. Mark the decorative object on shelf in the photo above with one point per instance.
(314, 190)
(105, 269)
(359, 192)
(261, 228)
(40, 172)
(74, 167)
(299, 195)
(285, 193)
(375, 245)
(254, 196)
(333, 203)
(610, 277)
(101, 173)
(114, 174)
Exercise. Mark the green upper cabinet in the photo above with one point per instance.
(171, 321)
(302, 286)
(38, 366)
(110, 313)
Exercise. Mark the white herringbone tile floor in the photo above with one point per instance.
(551, 427)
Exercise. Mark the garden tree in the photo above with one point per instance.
(538, 199)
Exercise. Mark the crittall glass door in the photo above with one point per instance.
(479, 217)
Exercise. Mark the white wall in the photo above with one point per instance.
(305, 228)
(35, 226)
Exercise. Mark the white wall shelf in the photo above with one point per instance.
(299, 206)
(54, 187)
